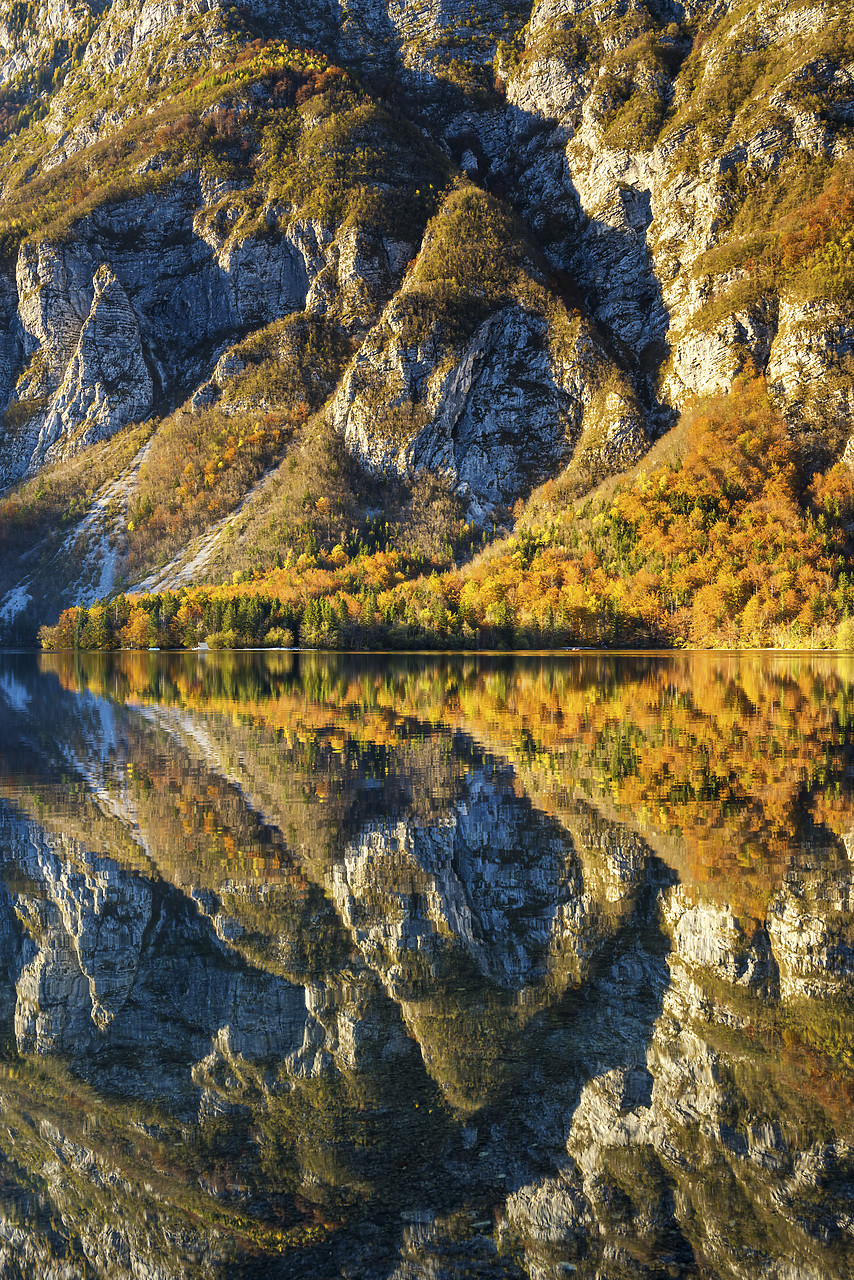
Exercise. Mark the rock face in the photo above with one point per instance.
(514, 406)
(652, 165)
(105, 341)
(106, 383)
(639, 218)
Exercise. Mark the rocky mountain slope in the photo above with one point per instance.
(492, 246)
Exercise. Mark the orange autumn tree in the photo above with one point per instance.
(738, 558)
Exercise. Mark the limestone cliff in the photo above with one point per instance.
(663, 193)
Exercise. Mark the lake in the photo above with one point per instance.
(410, 967)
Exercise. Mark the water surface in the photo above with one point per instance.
(410, 967)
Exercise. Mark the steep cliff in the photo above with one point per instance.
(530, 234)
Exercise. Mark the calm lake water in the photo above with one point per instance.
(422, 967)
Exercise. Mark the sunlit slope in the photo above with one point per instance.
(407, 261)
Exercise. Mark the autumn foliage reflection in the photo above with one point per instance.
(731, 767)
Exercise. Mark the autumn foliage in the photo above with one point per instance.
(728, 547)
(726, 550)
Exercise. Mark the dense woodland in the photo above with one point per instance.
(727, 542)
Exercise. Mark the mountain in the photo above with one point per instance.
(396, 264)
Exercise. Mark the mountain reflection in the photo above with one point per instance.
(422, 967)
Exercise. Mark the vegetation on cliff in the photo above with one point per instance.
(726, 545)
(366, 208)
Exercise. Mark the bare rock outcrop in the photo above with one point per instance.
(496, 417)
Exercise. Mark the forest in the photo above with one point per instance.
(730, 540)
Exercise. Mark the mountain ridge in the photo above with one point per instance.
(491, 249)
